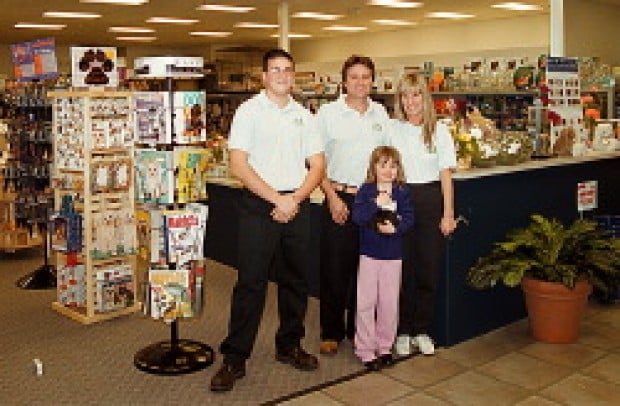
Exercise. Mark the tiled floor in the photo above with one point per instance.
(504, 367)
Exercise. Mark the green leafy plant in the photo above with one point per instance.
(549, 251)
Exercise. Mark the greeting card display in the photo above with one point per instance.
(192, 167)
(170, 294)
(189, 117)
(154, 176)
(114, 289)
(152, 123)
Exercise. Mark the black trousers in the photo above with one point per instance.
(260, 239)
(423, 255)
(339, 263)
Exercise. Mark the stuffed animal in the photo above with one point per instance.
(383, 216)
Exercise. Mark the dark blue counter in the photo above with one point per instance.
(493, 201)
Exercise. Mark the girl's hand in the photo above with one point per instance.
(447, 225)
(386, 227)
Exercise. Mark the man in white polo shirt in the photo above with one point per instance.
(276, 152)
(351, 128)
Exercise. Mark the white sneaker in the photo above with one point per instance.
(402, 346)
(424, 343)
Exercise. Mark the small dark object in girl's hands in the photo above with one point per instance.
(384, 216)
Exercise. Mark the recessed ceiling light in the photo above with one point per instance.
(70, 14)
(255, 25)
(171, 20)
(133, 30)
(344, 28)
(393, 22)
(396, 3)
(40, 26)
(228, 9)
(292, 35)
(137, 39)
(118, 2)
(448, 14)
(219, 34)
(317, 16)
(517, 6)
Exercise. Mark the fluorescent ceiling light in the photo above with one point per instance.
(40, 26)
(393, 22)
(396, 3)
(137, 39)
(228, 9)
(291, 35)
(317, 16)
(219, 34)
(448, 14)
(118, 2)
(70, 14)
(344, 28)
(255, 25)
(132, 30)
(517, 6)
(171, 20)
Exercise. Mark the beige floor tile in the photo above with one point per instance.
(473, 388)
(537, 401)
(599, 335)
(483, 349)
(421, 371)
(579, 389)
(514, 335)
(313, 399)
(567, 355)
(370, 389)
(607, 368)
(523, 370)
(609, 315)
(418, 399)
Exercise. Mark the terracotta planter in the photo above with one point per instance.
(555, 311)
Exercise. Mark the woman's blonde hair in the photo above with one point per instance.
(415, 82)
(385, 153)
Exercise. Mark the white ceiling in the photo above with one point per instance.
(94, 32)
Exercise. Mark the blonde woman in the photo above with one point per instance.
(429, 158)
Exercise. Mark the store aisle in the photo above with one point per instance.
(93, 364)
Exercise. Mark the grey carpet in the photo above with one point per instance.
(94, 364)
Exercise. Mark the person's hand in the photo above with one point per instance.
(281, 217)
(383, 198)
(338, 210)
(287, 204)
(386, 227)
(447, 225)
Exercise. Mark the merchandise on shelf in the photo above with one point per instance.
(93, 168)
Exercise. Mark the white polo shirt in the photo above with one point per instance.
(350, 137)
(420, 164)
(277, 140)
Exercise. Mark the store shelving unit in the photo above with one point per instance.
(93, 163)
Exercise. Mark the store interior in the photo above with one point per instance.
(86, 230)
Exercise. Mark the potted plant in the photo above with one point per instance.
(556, 267)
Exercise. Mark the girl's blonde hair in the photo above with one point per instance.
(385, 153)
(415, 82)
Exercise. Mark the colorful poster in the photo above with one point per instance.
(34, 60)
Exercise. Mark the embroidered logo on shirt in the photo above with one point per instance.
(298, 121)
(377, 127)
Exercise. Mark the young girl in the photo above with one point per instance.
(382, 210)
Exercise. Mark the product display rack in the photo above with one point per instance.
(174, 290)
(93, 163)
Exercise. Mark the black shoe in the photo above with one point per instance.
(386, 360)
(373, 365)
(225, 378)
(298, 358)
